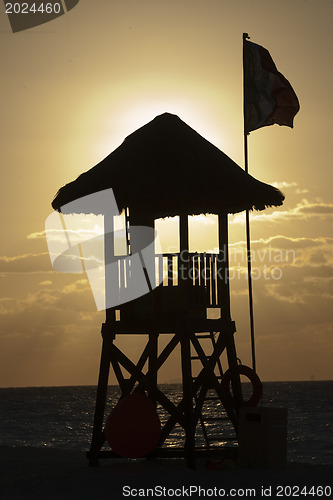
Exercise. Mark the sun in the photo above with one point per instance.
(145, 110)
(123, 120)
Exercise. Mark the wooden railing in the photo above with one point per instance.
(201, 273)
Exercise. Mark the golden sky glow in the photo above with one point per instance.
(74, 88)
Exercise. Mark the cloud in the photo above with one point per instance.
(288, 185)
(37, 235)
(15, 258)
(78, 286)
(307, 208)
(286, 270)
(74, 296)
(49, 336)
(41, 262)
(25, 263)
(205, 219)
(283, 248)
(310, 290)
(75, 235)
(304, 210)
(284, 184)
(280, 241)
(280, 251)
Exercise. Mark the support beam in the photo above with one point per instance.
(152, 366)
(188, 400)
(183, 261)
(223, 266)
(98, 437)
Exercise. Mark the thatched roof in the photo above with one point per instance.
(166, 168)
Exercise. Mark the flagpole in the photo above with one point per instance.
(247, 220)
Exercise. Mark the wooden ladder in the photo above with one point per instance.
(203, 419)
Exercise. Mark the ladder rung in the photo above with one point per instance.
(219, 377)
(221, 438)
(198, 357)
(203, 336)
(213, 419)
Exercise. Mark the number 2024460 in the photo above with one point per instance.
(35, 8)
(297, 491)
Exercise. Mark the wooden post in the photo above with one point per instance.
(145, 219)
(108, 337)
(223, 267)
(188, 399)
(152, 366)
(98, 436)
(184, 282)
(183, 263)
(183, 233)
(224, 298)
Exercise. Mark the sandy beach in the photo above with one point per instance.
(29, 473)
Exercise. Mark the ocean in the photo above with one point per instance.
(62, 417)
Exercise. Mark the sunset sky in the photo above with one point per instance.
(74, 88)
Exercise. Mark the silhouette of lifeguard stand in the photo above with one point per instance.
(166, 169)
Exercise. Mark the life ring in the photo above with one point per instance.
(254, 379)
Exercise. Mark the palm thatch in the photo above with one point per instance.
(165, 168)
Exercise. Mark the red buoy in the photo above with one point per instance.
(133, 427)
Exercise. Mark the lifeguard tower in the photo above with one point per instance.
(167, 169)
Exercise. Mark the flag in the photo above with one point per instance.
(268, 96)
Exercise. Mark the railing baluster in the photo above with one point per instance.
(213, 280)
(208, 279)
(170, 273)
(202, 296)
(160, 269)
